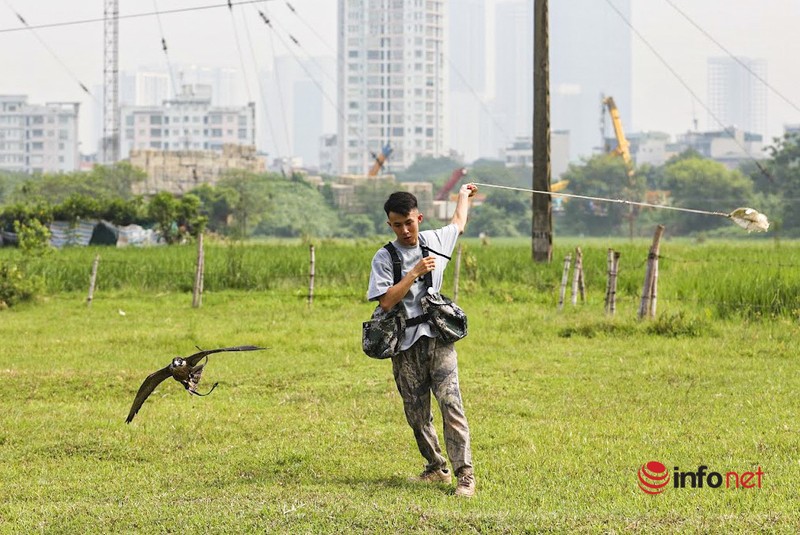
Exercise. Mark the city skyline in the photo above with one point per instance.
(660, 101)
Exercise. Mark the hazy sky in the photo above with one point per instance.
(753, 28)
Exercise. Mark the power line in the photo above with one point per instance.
(164, 48)
(732, 56)
(278, 84)
(239, 51)
(50, 50)
(261, 95)
(133, 15)
(689, 89)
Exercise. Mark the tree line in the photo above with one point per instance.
(245, 205)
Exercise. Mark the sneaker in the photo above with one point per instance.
(439, 475)
(466, 485)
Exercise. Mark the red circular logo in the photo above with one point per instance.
(653, 477)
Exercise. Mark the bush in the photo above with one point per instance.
(15, 286)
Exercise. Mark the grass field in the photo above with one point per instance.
(309, 436)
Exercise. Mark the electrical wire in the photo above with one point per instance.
(133, 16)
(688, 88)
(239, 51)
(164, 48)
(732, 56)
(478, 98)
(261, 95)
(50, 50)
(278, 84)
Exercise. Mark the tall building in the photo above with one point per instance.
(467, 70)
(392, 82)
(299, 97)
(513, 103)
(36, 138)
(187, 122)
(736, 98)
(590, 56)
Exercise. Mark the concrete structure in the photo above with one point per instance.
(328, 154)
(187, 122)
(520, 153)
(791, 129)
(653, 148)
(36, 138)
(181, 171)
(392, 81)
(730, 147)
(736, 97)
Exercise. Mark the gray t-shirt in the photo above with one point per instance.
(381, 277)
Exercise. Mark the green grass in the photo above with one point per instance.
(748, 279)
(309, 436)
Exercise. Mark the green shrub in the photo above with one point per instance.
(16, 286)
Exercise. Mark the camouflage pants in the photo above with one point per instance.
(426, 366)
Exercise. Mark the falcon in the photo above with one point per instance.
(186, 371)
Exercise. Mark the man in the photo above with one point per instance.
(425, 364)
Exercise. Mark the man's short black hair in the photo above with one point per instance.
(400, 202)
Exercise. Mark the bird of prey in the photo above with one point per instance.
(186, 371)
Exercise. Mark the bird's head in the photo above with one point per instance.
(177, 362)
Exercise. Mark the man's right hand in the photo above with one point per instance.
(426, 265)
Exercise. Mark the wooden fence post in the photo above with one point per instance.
(647, 305)
(311, 275)
(609, 262)
(577, 276)
(457, 274)
(92, 280)
(564, 277)
(197, 290)
(611, 306)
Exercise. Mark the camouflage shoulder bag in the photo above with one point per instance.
(382, 335)
(447, 319)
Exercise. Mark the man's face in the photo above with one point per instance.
(406, 227)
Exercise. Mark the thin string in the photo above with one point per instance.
(603, 199)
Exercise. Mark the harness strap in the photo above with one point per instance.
(417, 320)
(397, 265)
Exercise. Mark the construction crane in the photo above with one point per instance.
(110, 143)
(457, 175)
(380, 159)
(623, 150)
(623, 146)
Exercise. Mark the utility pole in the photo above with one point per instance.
(110, 148)
(542, 235)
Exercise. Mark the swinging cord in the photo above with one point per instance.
(603, 199)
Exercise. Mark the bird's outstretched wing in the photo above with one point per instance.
(149, 384)
(192, 360)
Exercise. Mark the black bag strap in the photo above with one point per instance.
(397, 264)
(428, 278)
(397, 273)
